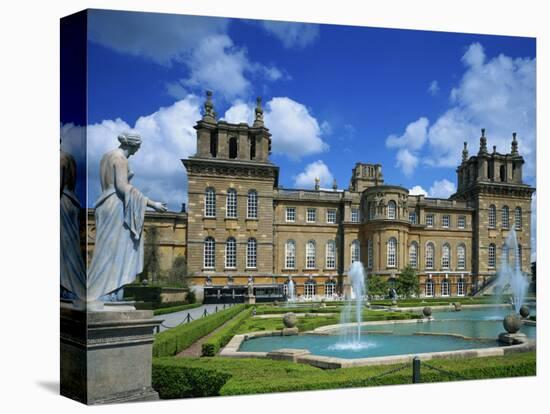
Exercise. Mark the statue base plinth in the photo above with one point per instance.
(289, 331)
(106, 356)
(250, 299)
(512, 339)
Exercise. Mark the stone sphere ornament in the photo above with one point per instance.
(427, 311)
(458, 306)
(512, 323)
(290, 320)
(524, 311)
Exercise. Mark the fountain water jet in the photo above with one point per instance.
(351, 339)
(291, 297)
(511, 275)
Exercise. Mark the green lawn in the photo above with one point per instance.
(234, 376)
(482, 300)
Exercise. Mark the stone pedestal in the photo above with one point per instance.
(289, 331)
(512, 338)
(250, 299)
(106, 356)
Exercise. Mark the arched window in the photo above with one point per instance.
(429, 288)
(505, 257)
(520, 255)
(461, 257)
(233, 147)
(445, 288)
(413, 255)
(517, 218)
(502, 173)
(331, 254)
(392, 252)
(231, 203)
(330, 288)
(231, 253)
(210, 202)
(310, 255)
(213, 144)
(371, 210)
(252, 148)
(369, 254)
(355, 251)
(430, 250)
(309, 288)
(392, 210)
(505, 217)
(446, 256)
(251, 253)
(492, 255)
(252, 205)
(492, 216)
(290, 254)
(209, 255)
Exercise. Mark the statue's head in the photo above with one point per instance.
(130, 142)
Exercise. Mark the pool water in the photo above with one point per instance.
(481, 326)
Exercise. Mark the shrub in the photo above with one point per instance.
(172, 381)
(174, 340)
(172, 309)
(223, 336)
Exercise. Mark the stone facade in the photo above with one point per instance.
(243, 229)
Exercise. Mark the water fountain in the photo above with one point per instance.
(291, 297)
(351, 338)
(511, 274)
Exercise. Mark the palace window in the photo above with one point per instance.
(429, 288)
(429, 220)
(446, 221)
(291, 214)
(331, 254)
(372, 209)
(231, 253)
(355, 215)
(461, 222)
(505, 256)
(311, 216)
(520, 253)
(209, 255)
(210, 202)
(231, 203)
(355, 251)
(369, 254)
(331, 216)
(251, 253)
(310, 255)
(517, 218)
(252, 205)
(505, 217)
(309, 289)
(233, 147)
(430, 256)
(461, 257)
(330, 288)
(290, 254)
(492, 216)
(412, 217)
(392, 210)
(446, 256)
(492, 255)
(413, 255)
(392, 252)
(460, 288)
(445, 288)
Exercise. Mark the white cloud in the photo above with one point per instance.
(407, 161)
(413, 138)
(474, 56)
(293, 35)
(317, 169)
(168, 136)
(295, 132)
(442, 189)
(418, 190)
(433, 89)
(162, 38)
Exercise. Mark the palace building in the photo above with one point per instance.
(243, 231)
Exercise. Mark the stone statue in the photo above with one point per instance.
(120, 216)
(72, 269)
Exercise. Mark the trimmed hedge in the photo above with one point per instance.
(172, 309)
(172, 341)
(222, 337)
(172, 381)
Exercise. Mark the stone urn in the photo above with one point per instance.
(290, 320)
(524, 311)
(512, 323)
(458, 306)
(427, 311)
(394, 302)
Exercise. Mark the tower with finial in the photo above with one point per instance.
(334, 185)
(465, 152)
(209, 112)
(317, 184)
(482, 143)
(259, 118)
(514, 144)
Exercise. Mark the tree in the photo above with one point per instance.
(377, 285)
(407, 283)
(151, 255)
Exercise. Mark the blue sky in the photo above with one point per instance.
(333, 96)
